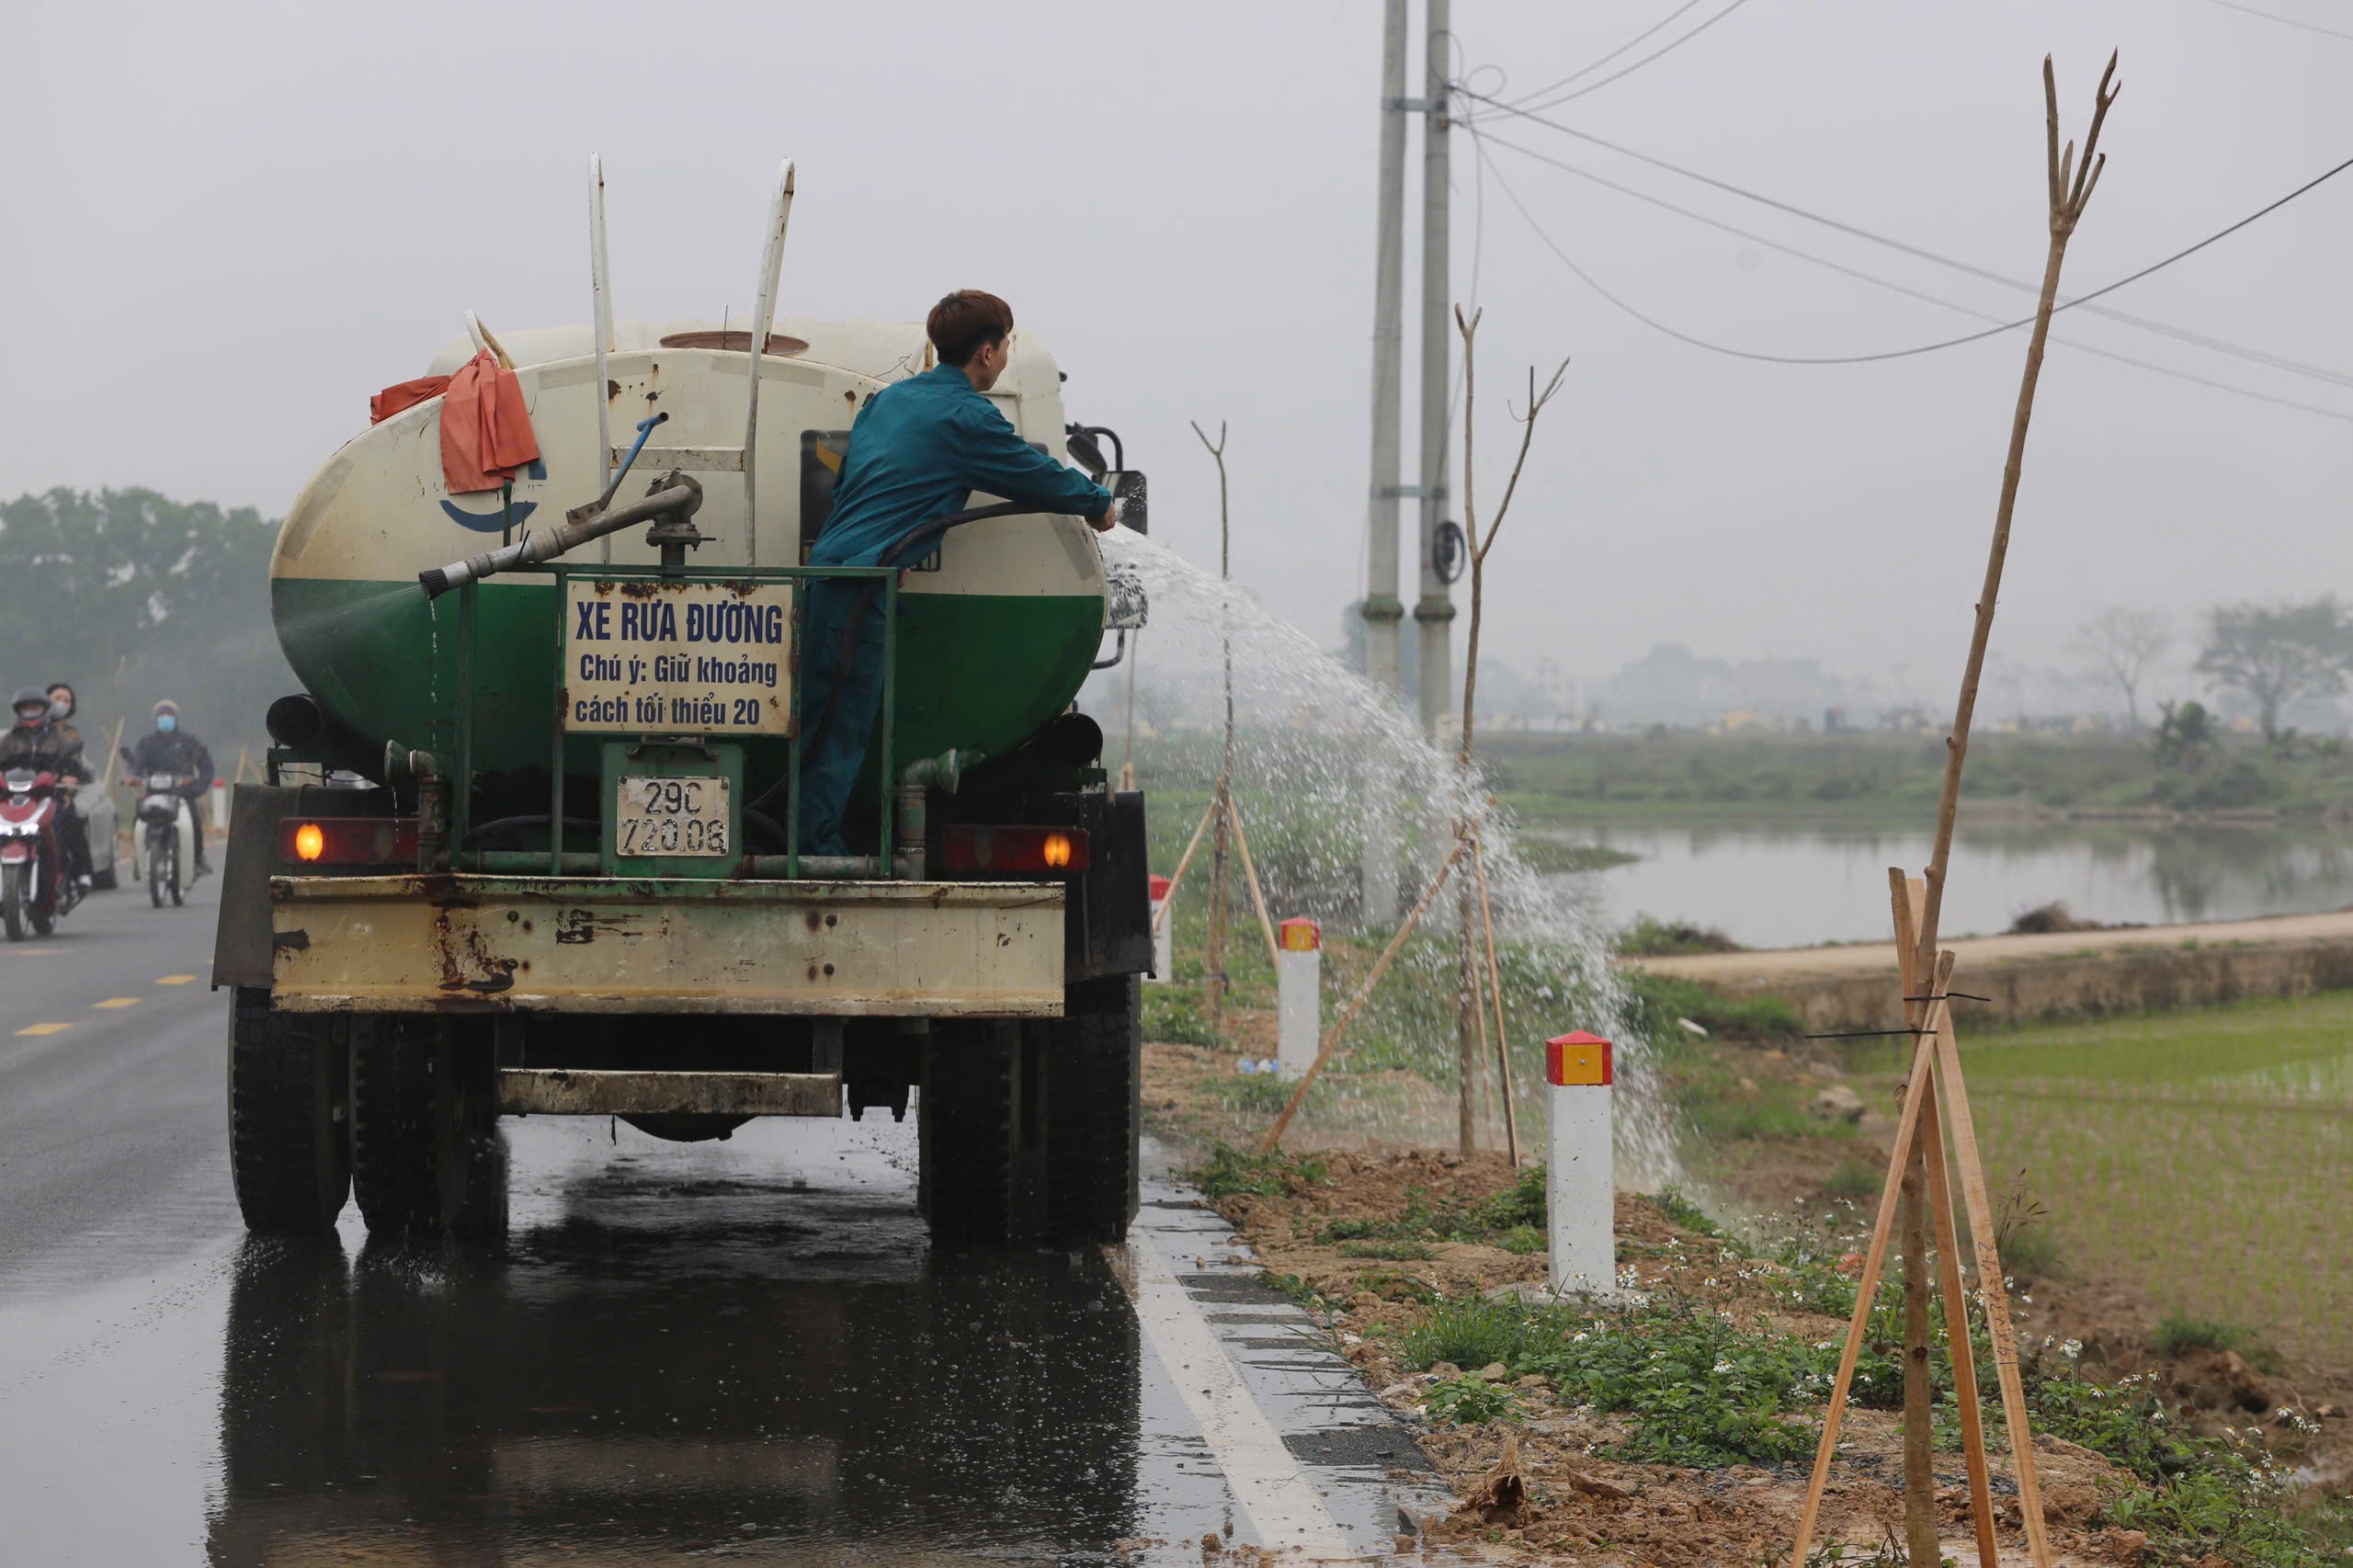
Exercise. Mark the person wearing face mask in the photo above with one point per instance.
(39, 742)
(170, 749)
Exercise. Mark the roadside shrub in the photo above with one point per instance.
(1468, 1331)
(1649, 936)
(1390, 1251)
(1173, 1017)
(2178, 1333)
(1851, 1178)
(1666, 1000)
(2199, 1499)
(1266, 1093)
(1703, 1391)
(1468, 1402)
(1521, 1203)
(1678, 1207)
(1230, 1172)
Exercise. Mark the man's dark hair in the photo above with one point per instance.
(965, 320)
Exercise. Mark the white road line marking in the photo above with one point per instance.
(1267, 1480)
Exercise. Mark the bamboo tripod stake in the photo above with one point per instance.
(1257, 894)
(2070, 187)
(1339, 1028)
(1496, 993)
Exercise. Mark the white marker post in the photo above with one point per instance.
(1298, 1012)
(1581, 1184)
(1164, 935)
(220, 805)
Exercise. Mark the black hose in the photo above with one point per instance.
(474, 835)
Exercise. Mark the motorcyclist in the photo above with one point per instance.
(170, 749)
(34, 742)
(72, 830)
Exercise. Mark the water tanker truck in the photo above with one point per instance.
(529, 843)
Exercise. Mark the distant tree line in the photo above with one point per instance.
(134, 596)
(2273, 654)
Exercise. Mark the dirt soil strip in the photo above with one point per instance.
(1280, 1497)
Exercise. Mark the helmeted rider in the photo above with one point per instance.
(72, 829)
(170, 749)
(36, 741)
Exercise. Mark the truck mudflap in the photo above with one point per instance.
(486, 944)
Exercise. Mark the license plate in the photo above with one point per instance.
(672, 816)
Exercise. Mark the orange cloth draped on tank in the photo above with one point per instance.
(485, 429)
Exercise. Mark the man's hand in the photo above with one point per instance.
(1109, 520)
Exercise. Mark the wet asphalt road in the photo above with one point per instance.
(744, 1350)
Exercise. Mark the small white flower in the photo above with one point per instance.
(1722, 1367)
(2072, 1348)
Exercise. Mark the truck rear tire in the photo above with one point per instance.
(290, 1132)
(974, 1176)
(427, 1155)
(1094, 1077)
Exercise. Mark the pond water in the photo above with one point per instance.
(1779, 887)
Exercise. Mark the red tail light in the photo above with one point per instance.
(348, 841)
(1055, 851)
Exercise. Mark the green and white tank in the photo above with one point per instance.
(992, 643)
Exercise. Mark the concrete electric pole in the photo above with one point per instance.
(1382, 608)
(1434, 611)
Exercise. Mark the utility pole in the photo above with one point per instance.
(1435, 609)
(1382, 609)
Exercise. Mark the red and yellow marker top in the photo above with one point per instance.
(1299, 934)
(1577, 1058)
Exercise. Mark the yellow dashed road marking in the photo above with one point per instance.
(44, 1028)
(175, 980)
(116, 1002)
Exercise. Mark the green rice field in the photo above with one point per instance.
(2205, 1155)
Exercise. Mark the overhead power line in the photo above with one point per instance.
(2255, 356)
(2078, 302)
(2284, 22)
(1512, 195)
(1663, 50)
(1591, 66)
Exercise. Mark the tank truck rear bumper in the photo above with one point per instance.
(464, 943)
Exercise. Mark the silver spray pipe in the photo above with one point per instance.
(677, 494)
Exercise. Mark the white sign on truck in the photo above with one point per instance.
(683, 658)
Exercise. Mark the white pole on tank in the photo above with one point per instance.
(601, 319)
(763, 312)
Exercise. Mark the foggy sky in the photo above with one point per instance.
(229, 225)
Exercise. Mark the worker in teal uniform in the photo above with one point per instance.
(917, 451)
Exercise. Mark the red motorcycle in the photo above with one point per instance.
(35, 890)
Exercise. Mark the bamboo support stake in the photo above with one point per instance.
(1183, 860)
(2067, 203)
(1995, 1297)
(1906, 1126)
(1964, 1358)
(1332, 1036)
(1496, 991)
(1907, 898)
(1250, 875)
(114, 750)
(1920, 1521)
